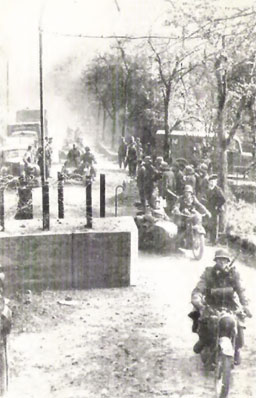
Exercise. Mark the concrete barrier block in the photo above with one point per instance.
(101, 259)
(37, 261)
(92, 258)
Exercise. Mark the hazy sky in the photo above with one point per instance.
(19, 21)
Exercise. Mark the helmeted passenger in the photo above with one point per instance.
(188, 205)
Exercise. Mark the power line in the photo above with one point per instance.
(117, 6)
(143, 37)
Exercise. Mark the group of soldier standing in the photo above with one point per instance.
(34, 156)
(162, 184)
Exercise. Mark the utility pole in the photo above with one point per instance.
(45, 187)
(7, 88)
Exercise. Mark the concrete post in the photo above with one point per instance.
(102, 195)
(46, 207)
(60, 195)
(88, 182)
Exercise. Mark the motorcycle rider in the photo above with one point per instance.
(219, 286)
(188, 205)
(27, 160)
(88, 160)
(73, 156)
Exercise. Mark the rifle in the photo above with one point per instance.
(231, 265)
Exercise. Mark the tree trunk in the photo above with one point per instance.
(166, 127)
(253, 128)
(113, 129)
(223, 166)
(104, 116)
(98, 120)
(124, 122)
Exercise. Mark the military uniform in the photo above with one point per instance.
(5, 328)
(168, 188)
(141, 184)
(213, 279)
(217, 289)
(73, 157)
(122, 151)
(132, 159)
(215, 199)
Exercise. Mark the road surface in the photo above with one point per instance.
(120, 343)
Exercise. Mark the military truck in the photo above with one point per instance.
(19, 135)
(192, 147)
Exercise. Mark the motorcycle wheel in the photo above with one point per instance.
(222, 375)
(198, 245)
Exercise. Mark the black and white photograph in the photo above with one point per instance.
(127, 198)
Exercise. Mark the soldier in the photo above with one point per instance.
(5, 328)
(73, 156)
(141, 172)
(189, 177)
(27, 159)
(87, 162)
(179, 179)
(132, 158)
(215, 200)
(202, 182)
(218, 284)
(39, 156)
(188, 205)
(150, 173)
(122, 152)
(168, 187)
(139, 149)
(158, 162)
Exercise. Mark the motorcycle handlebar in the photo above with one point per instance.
(217, 311)
(190, 215)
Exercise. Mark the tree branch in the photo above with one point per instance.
(237, 120)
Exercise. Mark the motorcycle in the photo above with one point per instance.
(194, 234)
(75, 174)
(219, 354)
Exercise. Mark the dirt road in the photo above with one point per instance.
(131, 342)
(120, 343)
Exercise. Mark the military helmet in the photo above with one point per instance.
(221, 253)
(165, 166)
(188, 188)
(213, 177)
(189, 169)
(203, 167)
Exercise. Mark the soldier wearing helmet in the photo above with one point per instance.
(88, 157)
(215, 201)
(188, 202)
(202, 182)
(189, 176)
(87, 163)
(219, 286)
(188, 205)
(73, 156)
